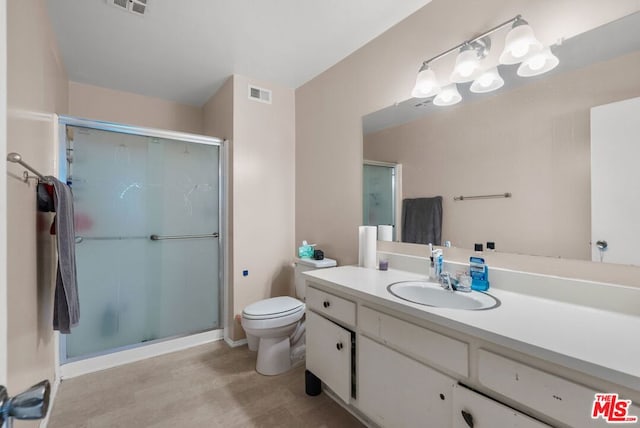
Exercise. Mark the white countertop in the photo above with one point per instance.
(601, 343)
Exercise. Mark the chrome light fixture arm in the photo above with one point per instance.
(474, 40)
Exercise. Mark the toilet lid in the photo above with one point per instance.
(273, 308)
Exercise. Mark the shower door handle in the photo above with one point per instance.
(161, 237)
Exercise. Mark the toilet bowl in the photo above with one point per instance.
(270, 325)
(274, 326)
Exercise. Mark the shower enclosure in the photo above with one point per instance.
(379, 194)
(147, 221)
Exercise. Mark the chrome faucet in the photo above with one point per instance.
(446, 282)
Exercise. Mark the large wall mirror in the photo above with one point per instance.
(543, 140)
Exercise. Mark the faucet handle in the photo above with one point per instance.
(447, 282)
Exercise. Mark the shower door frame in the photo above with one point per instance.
(71, 367)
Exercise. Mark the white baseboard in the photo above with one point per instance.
(235, 343)
(52, 397)
(102, 362)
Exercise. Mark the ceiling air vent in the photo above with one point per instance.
(259, 94)
(137, 7)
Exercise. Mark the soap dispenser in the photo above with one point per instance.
(435, 264)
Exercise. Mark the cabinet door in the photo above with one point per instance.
(395, 391)
(329, 354)
(474, 410)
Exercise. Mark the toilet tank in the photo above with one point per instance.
(303, 265)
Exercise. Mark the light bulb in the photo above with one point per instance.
(426, 84)
(519, 49)
(485, 80)
(448, 96)
(465, 69)
(467, 63)
(536, 62)
(488, 81)
(425, 87)
(519, 43)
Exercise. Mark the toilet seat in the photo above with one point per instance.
(272, 313)
(275, 307)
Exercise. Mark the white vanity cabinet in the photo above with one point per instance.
(397, 391)
(410, 370)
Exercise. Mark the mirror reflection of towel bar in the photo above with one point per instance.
(500, 195)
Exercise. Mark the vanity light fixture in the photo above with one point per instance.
(488, 81)
(448, 96)
(521, 46)
(538, 63)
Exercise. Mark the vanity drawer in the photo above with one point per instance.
(487, 413)
(421, 343)
(556, 397)
(332, 306)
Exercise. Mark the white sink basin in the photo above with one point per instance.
(432, 294)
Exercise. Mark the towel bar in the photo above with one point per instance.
(80, 239)
(17, 158)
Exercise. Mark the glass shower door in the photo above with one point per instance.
(147, 216)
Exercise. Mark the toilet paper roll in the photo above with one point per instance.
(367, 246)
(385, 232)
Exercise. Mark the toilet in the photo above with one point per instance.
(275, 328)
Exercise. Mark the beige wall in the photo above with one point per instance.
(94, 102)
(37, 87)
(263, 193)
(218, 122)
(330, 107)
(541, 155)
(3, 193)
(262, 187)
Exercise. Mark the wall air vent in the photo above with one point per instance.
(259, 94)
(137, 7)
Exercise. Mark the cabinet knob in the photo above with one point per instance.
(339, 346)
(326, 303)
(468, 418)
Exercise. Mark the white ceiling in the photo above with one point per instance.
(184, 50)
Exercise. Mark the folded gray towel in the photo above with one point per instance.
(66, 310)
